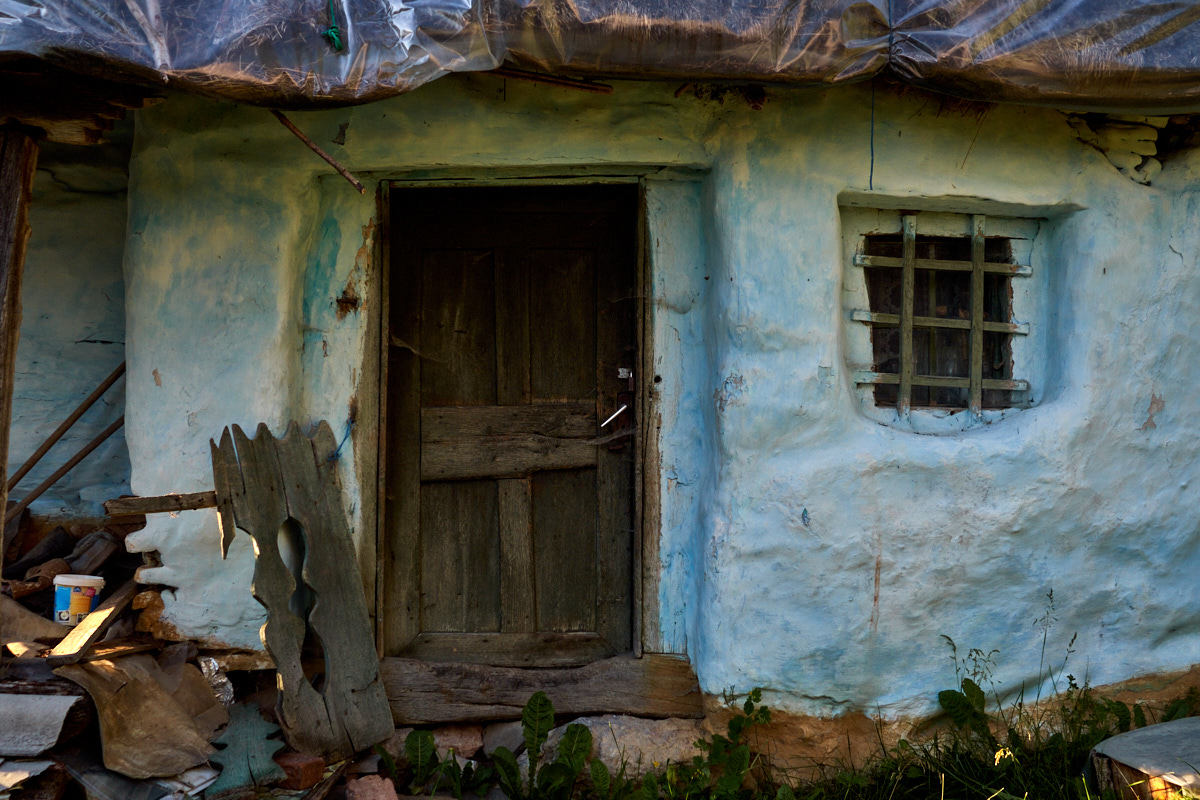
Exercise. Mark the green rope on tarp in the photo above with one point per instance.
(332, 34)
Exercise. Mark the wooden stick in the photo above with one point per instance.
(63, 470)
(167, 503)
(345, 173)
(319, 791)
(88, 402)
(552, 80)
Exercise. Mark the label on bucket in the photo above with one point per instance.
(73, 603)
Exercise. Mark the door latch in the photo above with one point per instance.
(624, 404)
(615, 414)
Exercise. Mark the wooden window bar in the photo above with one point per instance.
(975, 384)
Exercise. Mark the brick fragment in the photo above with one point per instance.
(303, 771)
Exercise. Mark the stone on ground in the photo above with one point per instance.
(370, 787)
(644, 745)
(465, 740)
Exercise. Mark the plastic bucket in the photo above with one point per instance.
(75, 596)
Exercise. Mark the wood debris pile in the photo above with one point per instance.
(118, 709)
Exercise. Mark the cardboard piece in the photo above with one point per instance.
(145, 731)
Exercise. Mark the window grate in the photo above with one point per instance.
(940, 318)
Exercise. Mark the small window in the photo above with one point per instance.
(941, 318)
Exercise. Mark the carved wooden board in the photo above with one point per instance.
(263, 483)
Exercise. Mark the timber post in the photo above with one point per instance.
(18, 161)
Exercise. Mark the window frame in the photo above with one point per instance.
(906, 320)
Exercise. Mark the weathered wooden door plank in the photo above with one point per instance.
(517, 589)
(503, 457)
(537, 649)
(571, 420)
(616, 311)
(460, 557)
(402, 496)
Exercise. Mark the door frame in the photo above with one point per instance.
(646, 490)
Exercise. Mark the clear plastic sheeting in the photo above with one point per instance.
(1092, 55)
(1130, 55)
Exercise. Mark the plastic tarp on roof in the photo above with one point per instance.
(1128, 55)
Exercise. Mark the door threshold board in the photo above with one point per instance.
(429, 692)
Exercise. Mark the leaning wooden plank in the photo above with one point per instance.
(293, 480)
(353, 690)
(168, 503)
(250, 469)
(72, 648)
(655, 686)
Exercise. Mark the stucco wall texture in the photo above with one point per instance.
(804, 547)
(73, 326)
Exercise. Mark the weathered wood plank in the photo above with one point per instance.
(562, 356)
(503, 457)
(573, 420)
(512, 330)
(402, 496)
(460, 557)
(72, 647)
(18, 161)
(1015, 270)
(228, 483)
(564, 546)
(168, 503)
(975, 392)
(656, 686)
(260, 509)
(526, 649)
(951, 383)
(294, 478)
(892, 320)
(907, 293)
(458, 328)
(517, 589)
(353, 696)
(616, 325)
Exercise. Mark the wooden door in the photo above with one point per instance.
(509, 518)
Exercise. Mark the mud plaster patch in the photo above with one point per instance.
(349, 300)
(729, 393)
(1156, 406)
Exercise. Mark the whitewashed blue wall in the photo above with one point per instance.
(73, 325)
(805, 548)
